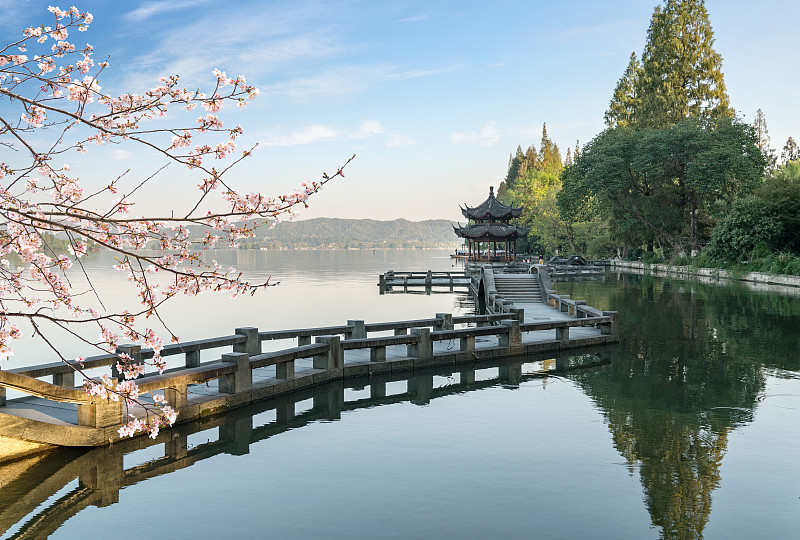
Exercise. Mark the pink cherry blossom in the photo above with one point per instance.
(58, 89)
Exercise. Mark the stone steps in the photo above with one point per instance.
(522, 288)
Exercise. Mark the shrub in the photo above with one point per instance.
(634, 254)
(651, 257)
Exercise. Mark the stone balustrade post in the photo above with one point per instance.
(612, 328)
(519, 312)
(467, 344)
(176, 396)
(285, 370)
(66, 379)
(562, 334)
(573, 309)
(303, 340)
(423, 348)
(513, 338)
(242, 379)
(192, 358)
(252, 346)
(359, 330)
(100, 413)
(334, 359)
(377, 353)
(446, 321)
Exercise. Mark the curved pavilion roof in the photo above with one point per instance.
(491, 208)
(491, 232)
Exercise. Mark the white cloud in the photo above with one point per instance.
(239, 43)
(311, 134)
(148, 9)
(367, 129)
(417, 73)
(487, 136)
(118, 154)
(331, 82)
(400, 141)
(415, 18)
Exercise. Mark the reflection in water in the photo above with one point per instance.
(40, 494)
(695, 364)
(690, 370)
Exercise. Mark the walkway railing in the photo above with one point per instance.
(233, 369)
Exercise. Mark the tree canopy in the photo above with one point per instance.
(669, 181)
(680, 73)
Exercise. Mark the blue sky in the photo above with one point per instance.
(431, 96)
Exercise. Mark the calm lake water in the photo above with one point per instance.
(691, 429)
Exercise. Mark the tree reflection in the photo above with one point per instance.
(689, 371)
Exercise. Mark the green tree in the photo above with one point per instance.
(791, 152)
(547, 158)
(762, 136)
(568, 157)
(624, 102)
(769, 219)
(681, 73)
(667, 180)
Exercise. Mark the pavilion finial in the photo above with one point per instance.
(491, 190)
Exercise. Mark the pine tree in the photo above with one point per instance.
(549, 159)
(763, 140)
(624, 102)
(577, 153)
(791, 152)
(681, 73)
(568, 157)
(514, 165)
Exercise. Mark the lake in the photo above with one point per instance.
(689, 430)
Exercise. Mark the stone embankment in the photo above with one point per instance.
(712, 273)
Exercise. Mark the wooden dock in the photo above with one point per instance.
(239, 372)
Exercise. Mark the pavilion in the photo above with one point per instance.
(489, 223)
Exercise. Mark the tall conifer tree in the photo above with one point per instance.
(549, 159)
(763, 139)
(791, 151)
(681, 73)
(624, 102)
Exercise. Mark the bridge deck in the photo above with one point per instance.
(388, 349)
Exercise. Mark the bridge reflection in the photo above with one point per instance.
(36, 496)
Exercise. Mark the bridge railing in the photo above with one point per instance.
(233, 370)
(428, 279)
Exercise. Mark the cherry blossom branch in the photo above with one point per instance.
(59, 88)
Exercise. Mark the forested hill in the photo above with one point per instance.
(354, 233)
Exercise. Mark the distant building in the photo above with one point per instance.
(489, 225)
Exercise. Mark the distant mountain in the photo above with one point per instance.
(354, 233)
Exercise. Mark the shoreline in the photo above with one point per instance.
(762, 278)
